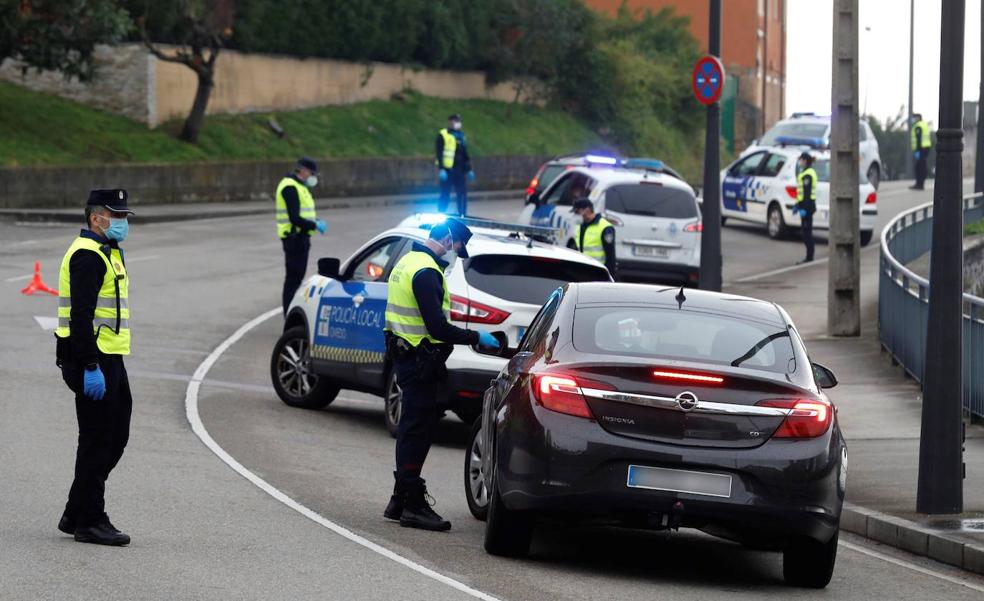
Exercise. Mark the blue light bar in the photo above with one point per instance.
(600, 159)
(801, 141)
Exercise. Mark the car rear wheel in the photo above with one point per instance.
(874, 175)
(507, 533)
(866, 237)
(393, 406)
(294, 380)
(808, 563)
(476, 493)
(777, 224)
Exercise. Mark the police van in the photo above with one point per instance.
(333, 333)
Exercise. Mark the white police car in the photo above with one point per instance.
(761, 188)
(814, 130)
(655, 214)
(333, 333)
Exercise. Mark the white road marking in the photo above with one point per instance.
(20, 278)
(781, 270)
(46, 323)
(911, 566)
(191, 411)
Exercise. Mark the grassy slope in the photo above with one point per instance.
(39, 129)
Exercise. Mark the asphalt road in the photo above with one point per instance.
(202, 531)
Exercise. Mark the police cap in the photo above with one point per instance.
(113, 199)
(454, 117)
(458, 231)
(582, 203)
(806, 156)
(308, 163)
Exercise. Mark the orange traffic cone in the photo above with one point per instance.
(36, 284)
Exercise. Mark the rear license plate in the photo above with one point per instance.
(697, 483)
(651, 251)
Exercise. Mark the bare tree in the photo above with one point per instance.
(200, 30)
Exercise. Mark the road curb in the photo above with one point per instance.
(911, 537)
(191, 211)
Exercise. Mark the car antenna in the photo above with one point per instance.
(680, 298)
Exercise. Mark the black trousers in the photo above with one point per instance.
(922, 167)
(104, 429)
(418, 421)
(458, 181)
(296, 250)
(807, 225)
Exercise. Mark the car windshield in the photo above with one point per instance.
(530, 280)
(822, 167)
(793, 130)
(651, 200)
(684, 335)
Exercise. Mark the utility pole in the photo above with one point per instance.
(941, 440)
(979, 156)
(910, 163)
(844, 268)
(710, 240)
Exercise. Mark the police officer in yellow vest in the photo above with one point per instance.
(296, 220)
(93, 336)
(596, 237)
(806, 201)
(922, 143)
(419, 340)
(453, 165)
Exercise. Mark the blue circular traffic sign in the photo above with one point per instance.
(708, 80)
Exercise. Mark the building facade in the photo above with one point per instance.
(753, 50)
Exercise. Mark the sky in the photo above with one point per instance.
(883, 69)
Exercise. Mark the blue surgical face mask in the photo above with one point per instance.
(118, 229)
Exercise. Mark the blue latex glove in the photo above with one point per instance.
(443, 175)
(802, 212)
(917, 155)
(471, 176)
(322, 226)
(94, 383)
(488, 340)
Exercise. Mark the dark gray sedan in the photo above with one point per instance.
(660, 408)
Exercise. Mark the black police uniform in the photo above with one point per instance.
(457, 174)
(806, 222)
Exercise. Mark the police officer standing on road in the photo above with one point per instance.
(296, 220)
(806, 201)
(454, 165)
(419, 340)
(921, 145)
(92, 337)
(597, 235)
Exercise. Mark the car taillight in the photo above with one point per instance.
(469, 311)
(532, 187)
(806, 419)
(687, 376)
(872, 199)
(791, 191)
(695, 227)
(614, 220)
(561, 394)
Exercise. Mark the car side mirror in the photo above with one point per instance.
(503, 351)
(534, 198)
(825, 378)
(328, 267)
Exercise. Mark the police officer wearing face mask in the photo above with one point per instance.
(596, 238)
(453, 164)
(296, 221)
(93, 335)
(419, 340)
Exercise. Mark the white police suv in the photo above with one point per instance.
(333, 333)
(810, 129)
(655, 214)
(761, 188)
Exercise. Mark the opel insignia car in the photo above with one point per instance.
(659, 408)
(333, 333)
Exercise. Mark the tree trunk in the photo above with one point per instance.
(193, 124)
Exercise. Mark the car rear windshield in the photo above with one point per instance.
(529, 280)
(793, 130)
(550, 173)
(651, 200)
(684, 336)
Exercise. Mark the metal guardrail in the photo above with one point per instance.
(903, 301)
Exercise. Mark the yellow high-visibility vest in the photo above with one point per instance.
(592, 245)
(450, 145)
(403, 316)
(799, 184)
(111, 320)
(925, 142)
(306, 202)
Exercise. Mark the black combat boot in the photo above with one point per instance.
(394, 509)
(102, 534)
(417, 512)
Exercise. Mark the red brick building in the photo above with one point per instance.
(753, 50)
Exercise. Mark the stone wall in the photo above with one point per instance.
(56, 187)
(131, 82)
